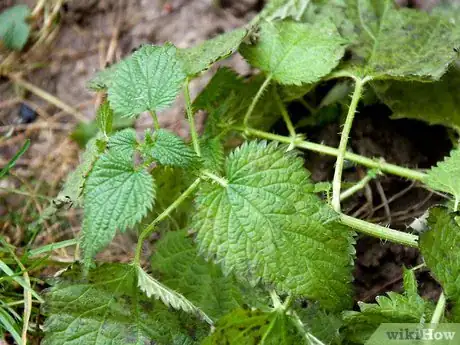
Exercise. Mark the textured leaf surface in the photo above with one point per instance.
(123, 142)
(107, 308)
(153, 287)
(116, 196)
(436, 103)
(166, 148)
(14, 30)
(295, 53)
(102, 79)
(104, 118)
(394, 308)
(445, 177)
(282, 9)
(254, 327)
(440, 247)
(149, 80)
(267, 223)
(401, 43)
(212, 153)
(178, 265)
(201, 57)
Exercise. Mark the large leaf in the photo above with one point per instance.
(178, 265)
(14, 30)
(436, 103)
(397, 44)
(440, 247)
(394, 308)
(295, 53)
(106, 308)
(201, 57)
(265, 221)
(445, 177)
(254, 327)
(117, 195)
(149, 80)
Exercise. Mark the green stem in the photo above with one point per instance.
(255, 100)
(331, 151)
(357, 187)
(337, 181)
(284, 113)
(156, 123)
(146, 232)
(439, 311)
(220, 180)
(191, 120)
(380, 231)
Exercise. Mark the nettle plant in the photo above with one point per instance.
(248, 252)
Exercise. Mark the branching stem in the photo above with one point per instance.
(255, 100)
(357, 187)
(149, 229)
(191, 120)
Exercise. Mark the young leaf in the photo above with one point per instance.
(117, 195)
(14, 30)
(212, 153)
(104, 118)
(295, 53)
(123, 142)
(440, 247)
(282, 9)
(266, 222)
(401, 43)
(106, 307)
(396, 308)
(102, 79)
(254, 327)
(436, 103)
(445, 177)
(166, 148)
(153, 287)
(201, 57)
(149, 80)
(177, 262)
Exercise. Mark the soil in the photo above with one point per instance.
(87, 30)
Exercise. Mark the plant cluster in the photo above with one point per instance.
(245, 238)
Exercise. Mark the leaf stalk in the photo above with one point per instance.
(255, 100)
(191, 120)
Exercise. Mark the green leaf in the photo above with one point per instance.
(123, 142)
(13, 160)
(289, 51)
(9, 324)
(393, 308)
(436, 103)
(149, 80)
(445, 177)
(117, 196)
(440, 247)
(166, 148)
(401, 43)
(201, 57)
(178, 265)
(104, 118)
(14, 30)
(102, 79)
(153, 287)
(212, 154)
(106, 308)
(282, 9)
(265, 221)
(254, 327)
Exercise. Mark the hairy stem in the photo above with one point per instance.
(331, 151)
(439, 311)
(284, 113)
(357, 187)
(337, 181)
(156, 123)
(255, 100)
(379, 231)
(151, 227)
(191, 120)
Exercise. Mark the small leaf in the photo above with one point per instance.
(168, 149)
(394, 308)
(153, 287)
(117, 196)
(212, 154)
(104, 118)
(295, 53)
(445, 177)
(440, 247)
(282, 9)
(254, 327)
(149, 80)
(123, 142)
(266, 222)
(436, 103)
(177, 262)
(103, 78)
(201, 57)
(14, 30)
(106, 307)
